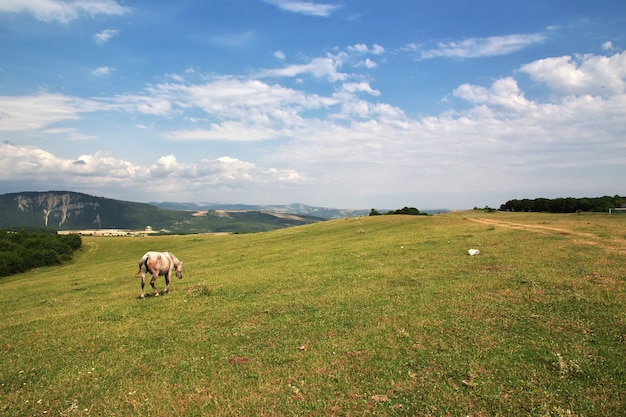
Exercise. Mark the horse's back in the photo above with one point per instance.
(158, 262)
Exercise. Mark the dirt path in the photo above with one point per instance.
(582, 238)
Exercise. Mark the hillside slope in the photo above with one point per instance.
(375, 316)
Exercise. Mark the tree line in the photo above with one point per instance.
(564, 205)
(406, 210)
(24, 249)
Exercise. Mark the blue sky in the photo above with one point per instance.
(347, 104)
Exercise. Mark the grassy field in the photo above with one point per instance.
(384, 315)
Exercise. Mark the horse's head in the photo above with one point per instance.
(179, 270)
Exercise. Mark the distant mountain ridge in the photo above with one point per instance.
(67, 210)
(296, 208)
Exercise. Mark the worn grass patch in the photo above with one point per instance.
(382, 315)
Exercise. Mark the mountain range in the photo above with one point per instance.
(299, 209)
(67, 210)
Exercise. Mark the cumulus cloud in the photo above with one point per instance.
(31, 163)
(102, 171)
(500, 133)
(503, 93)
(586, 74)
(63, 11)
(304, 7)
(479, 47)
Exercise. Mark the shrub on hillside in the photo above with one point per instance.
(405, 210)
(21, 250)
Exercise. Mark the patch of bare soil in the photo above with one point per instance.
(221, 213)
(576, 237)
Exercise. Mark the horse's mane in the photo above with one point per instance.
(174, 259)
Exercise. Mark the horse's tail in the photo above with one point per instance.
(142, 264)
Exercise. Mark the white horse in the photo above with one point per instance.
(159, 263)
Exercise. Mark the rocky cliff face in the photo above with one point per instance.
(58, 208)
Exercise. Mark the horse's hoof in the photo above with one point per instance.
(156, 294)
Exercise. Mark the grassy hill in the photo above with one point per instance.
(66, 210)
(383, 315)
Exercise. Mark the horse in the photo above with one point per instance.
(159, 263)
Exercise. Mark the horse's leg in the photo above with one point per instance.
(152, 281)
(167, 283)
(143, 282)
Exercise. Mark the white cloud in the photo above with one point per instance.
(607, 46)
(63, 11)
(331, 65)
(68, 133)
(318, 67)
(98, 72)
(360, 87)
(500, 138)
(377, 49)
(364, 49)
(361, 47)
(101, 171)
(230, 98)
(480, 47)
(304, 7)
(176, 77)
(327, 66)
(588, 74)
(504, 93)
(104, 36)
(370, 64)
(226, 131)
(146, 104)
(280, 55)
(35, 164)
(41, 110)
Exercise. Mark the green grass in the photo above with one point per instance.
(384, 315)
